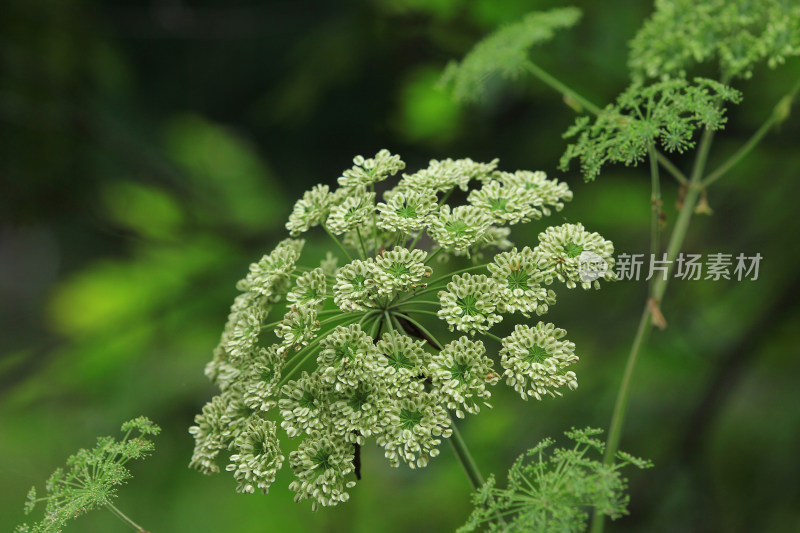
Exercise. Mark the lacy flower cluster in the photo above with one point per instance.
(341, 354)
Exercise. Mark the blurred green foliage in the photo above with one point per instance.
(151, 151)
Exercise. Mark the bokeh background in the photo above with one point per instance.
(151, 150)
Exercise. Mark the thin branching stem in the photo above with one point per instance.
(570, 93)
(338, 242)
(122, 516)
(655, 208)
(778, 114)
(676, 241)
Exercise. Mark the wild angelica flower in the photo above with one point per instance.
(406, 360)
(406, 211)
(445, 175)
(535, 360)
(263, 374)
(504, 53)
(469, 304)
(413, 429)
(552, 193)
(210, 434)
(551, 491)
(303, 407)
(494, 238)
(353, 290)
(243, 335)
(461, 228)
(369, 171)
(270, 276)
(354, 362)
(399, 270)
(310, 289)
(507, 204)
(298, 327)
(347, 356)
(519, 279)
(258, 457)
(352, 213)
(461, 371)
(357, 412)
(736, 36)
(667, 112)
(563, 248)
(323, 464)
(311, 210)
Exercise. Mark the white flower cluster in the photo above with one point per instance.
(353, 362)
(564, 250)
(363, 284)
(469, 304)
(535, 360)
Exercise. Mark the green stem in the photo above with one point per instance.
(434, 342)
(434, 254)
(465, 458)
(566, 91)
(451, 274)
(779, 113)
(560, 87)
(493, 336)
(122, 516)
(388, 321)
(420, 311)
(374, 221)
(337, 241)
(427, 302)
(659, 287)
(655, 208)
(671, 168)
(361, 242)
(446, 196)
(433, 284)
(416, 239)
(309, 350)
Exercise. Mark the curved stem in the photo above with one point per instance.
(493, 336)
(361, 242)
(434, 254)
(570, 93)
(560, 87)
(659, 287)
(655, 208)
(433, 285)
(122, 516)
(671, 168)
(421, 311)
(416, 239)
(337, 241)
(465, 458)
(779, 113)
(428, 337)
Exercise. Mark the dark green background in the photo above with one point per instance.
(151, 151)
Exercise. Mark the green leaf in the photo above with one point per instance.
(552, 490)
(504, 53)
(665, 113)
(91, 477)
(736, 34)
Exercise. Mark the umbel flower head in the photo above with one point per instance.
(349, 352)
